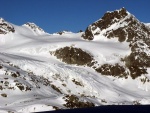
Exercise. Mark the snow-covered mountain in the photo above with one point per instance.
(5, 27)
(117, 24)
(124, 27)
(41, 71)
(36, 29)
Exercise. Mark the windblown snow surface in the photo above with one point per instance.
(32, 79)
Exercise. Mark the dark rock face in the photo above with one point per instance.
(88, 34)
(120, 33)
(1, 67)
(110, 18)
(139, 59)
(131, 31)
(5, 27)
(72, 55)
(129, 27)
(73, 101)
(113, 70)
(106, 21)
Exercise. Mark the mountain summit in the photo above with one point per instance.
(5, 27)
(36, 29)
(117, 24)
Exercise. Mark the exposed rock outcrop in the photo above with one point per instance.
(5, 27)
(73, 55)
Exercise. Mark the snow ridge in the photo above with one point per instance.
(35, 28)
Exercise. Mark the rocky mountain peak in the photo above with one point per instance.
(5, 27)
(111, 17)
(34, 27)
(105, 22)
(117, 24)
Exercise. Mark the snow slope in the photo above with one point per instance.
(32, 79)
(147, 24)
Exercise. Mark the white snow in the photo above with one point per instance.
(147, 24)
(31, 53)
